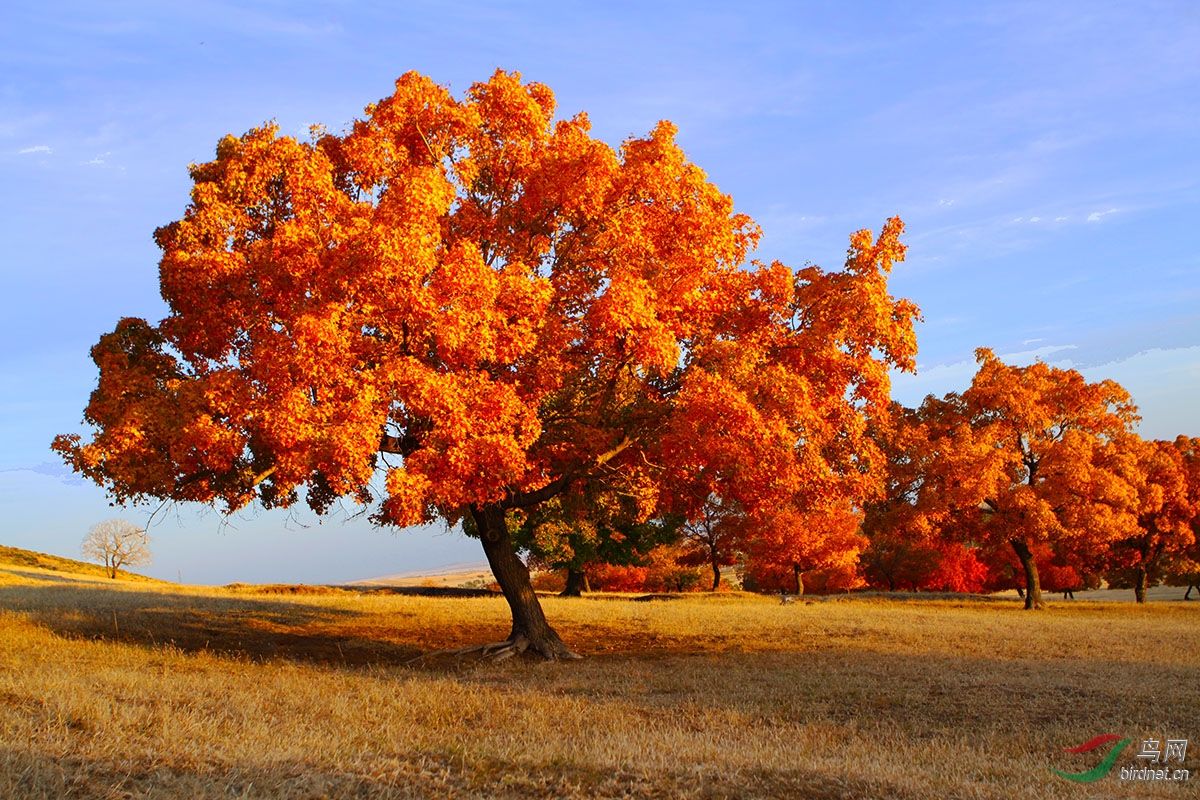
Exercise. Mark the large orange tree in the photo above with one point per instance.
(1028, 458)
(491, 308)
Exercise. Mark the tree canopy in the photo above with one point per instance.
(492, 307)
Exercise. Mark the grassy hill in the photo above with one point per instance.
(16, 557)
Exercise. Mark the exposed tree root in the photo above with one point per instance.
(496, 652)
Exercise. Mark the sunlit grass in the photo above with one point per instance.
(115, 689)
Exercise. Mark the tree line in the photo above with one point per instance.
(1032, 478)
(471, 309)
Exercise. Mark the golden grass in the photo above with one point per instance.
(155, 690)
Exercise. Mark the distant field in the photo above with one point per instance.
(117, 689)
(453, 575)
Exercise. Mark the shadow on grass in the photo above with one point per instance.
(27, 773)
(245, 627)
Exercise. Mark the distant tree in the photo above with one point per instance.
(1165, 510)
(1184, 571)
(667, 570)
(116, 543)
(1184, 568)
(791, 542)
(1026, 457)
(709, 537)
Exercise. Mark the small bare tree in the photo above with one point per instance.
(117, 543)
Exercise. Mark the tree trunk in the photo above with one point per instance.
(799, 573)
(716, 567)
(1188, 594)
(1033, 587)
(576, 580)
(530, 631)
(1139, 585)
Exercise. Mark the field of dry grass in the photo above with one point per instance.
(121, 689)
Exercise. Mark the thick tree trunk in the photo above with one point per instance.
(716, 568)
(530, 631)
(1033, 587)
(576, 583)
(799, 574)
(1139, 585)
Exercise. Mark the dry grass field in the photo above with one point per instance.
(117, 689)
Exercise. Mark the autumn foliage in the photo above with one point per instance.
(493, 308)
(468, 308)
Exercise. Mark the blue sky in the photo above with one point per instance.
(1043, 155)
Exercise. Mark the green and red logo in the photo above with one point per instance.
(1104, 767)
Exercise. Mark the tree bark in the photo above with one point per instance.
(1139, 585)
(1033, 587)
(576, 583)
(799, 574)
(530, 631)
(716, 568)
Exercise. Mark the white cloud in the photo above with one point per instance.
(37, 148)
(1096, 216)
(1060, 219)
(1035, 219)
(99, 160)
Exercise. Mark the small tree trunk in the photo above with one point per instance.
(716, 568)
(799, 574)
(1188, 594)
(530, 631)
(1139, 585)
(1033, 587)
(576, 579)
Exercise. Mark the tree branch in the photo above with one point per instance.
(559, 484)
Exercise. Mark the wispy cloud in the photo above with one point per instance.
(1096, 216)
(51, 470)
(37, 148)
(99, 160)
